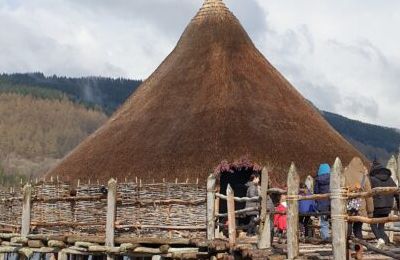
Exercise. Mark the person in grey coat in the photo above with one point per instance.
(253, 190)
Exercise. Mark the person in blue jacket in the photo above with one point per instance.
(322, 186)
(306, 207)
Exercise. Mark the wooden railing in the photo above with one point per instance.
(338, 196)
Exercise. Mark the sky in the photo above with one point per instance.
(343, 55)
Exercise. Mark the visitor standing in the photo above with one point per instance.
(383, 204)
(280, 218)
(356, 180)
(306, 207)
(253, 190)
(322, 186)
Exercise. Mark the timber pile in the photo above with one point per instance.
(169, 248)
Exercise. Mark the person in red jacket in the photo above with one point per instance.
(280, 217)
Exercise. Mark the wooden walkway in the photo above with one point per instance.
(307, 251)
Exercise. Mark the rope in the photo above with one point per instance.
(339, 217)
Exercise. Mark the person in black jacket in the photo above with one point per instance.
(383, 204)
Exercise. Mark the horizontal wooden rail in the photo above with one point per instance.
(3, 200)
(325, 196)
(238, 212)
(67, 224)
(120, 201)
(373, 220)
(69, 199)
(138, 226)
(276, 191)
(374, 192)
(9, 225)
(117, 225)
(71, 239)
(243, 199)
(130, 202)
(351, 195)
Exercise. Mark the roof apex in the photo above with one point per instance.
(212, 7)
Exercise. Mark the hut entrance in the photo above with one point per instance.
(237, 175)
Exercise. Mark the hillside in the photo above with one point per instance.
(36, 132)
(105, 93)
(374, 141)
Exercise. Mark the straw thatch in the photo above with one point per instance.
(214, 98)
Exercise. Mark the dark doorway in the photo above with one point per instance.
(238, 180)
(237, 175)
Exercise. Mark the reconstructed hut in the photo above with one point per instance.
(214, 98)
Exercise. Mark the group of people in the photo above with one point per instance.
(357, 178)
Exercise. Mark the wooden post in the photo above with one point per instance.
(392, 166)
(293, 183)
(111, 212)
(264, 233)
(231, 217)
(338, 211)
(211, 181)
(26, 210)
(310, 183)
(62, 255)
(398, 166)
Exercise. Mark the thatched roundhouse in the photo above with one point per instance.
(214, 98)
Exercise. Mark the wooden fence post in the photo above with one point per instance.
(293, 183)
(26, 210)
(338, 211)
(111, 212)
(264, 233)
(211, 182)
(398, 166)
(231, 217)
(392, 166)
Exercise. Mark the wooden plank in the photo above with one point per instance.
(264, 240)
(338, 211)
(238, 212)
(293, 183)
(26, 210)
(231, 217)
(237, 199)
(162, 227)
(153, 240)
(68, 224)
(111, 212)
(211, 182)
(374, 192)
(373, 220)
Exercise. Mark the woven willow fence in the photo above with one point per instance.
(170, 210)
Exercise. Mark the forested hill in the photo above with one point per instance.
(373, 140)
(85, 102)
(105, 93)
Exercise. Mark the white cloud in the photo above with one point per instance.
(342, 55)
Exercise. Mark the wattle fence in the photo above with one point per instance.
(170, 210)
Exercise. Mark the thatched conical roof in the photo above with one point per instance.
(214, 97)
